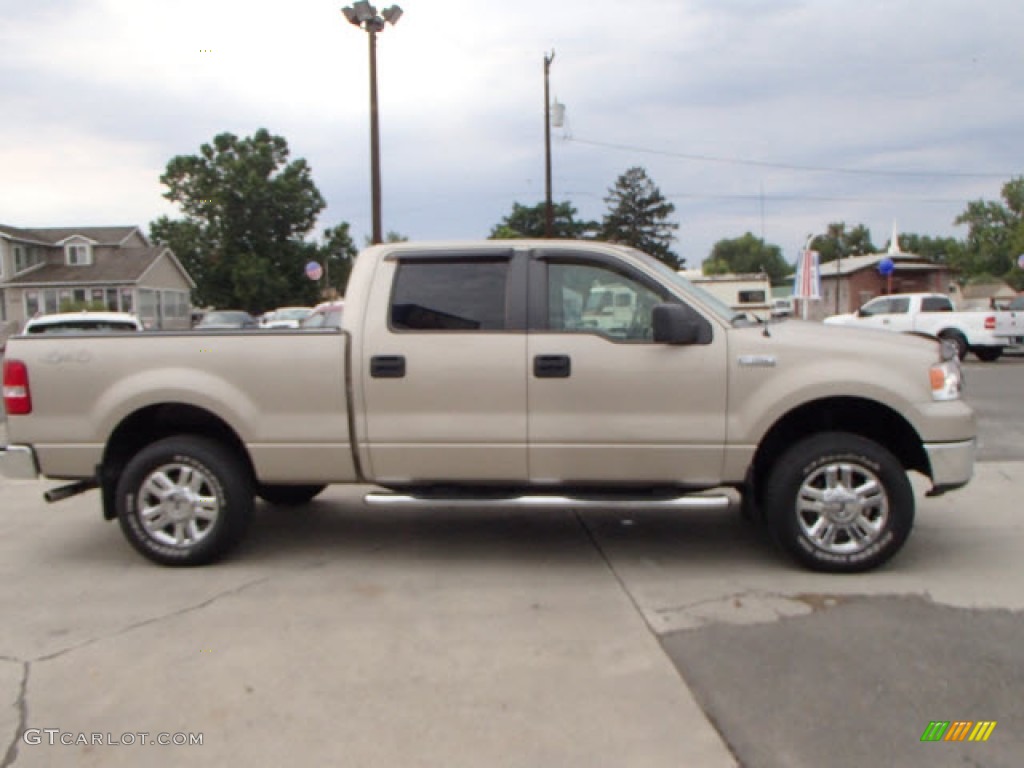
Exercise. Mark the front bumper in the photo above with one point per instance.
(18, 462)
(952, 464)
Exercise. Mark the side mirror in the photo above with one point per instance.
(673, 324)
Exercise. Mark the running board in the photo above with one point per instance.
(543, 501)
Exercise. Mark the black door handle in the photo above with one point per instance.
(387, 366)
(552, 366)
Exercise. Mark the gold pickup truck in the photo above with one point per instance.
(484, 374)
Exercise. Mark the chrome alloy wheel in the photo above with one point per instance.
(842, 508)
(178, 505)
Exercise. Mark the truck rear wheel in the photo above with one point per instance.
(184, 500)
(988, 354)
(839, 502)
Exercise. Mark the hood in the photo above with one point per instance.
(804, 337)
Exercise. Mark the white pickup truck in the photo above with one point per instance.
(981, 332)
(475, 374)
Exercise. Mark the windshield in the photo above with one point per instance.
(82, 326)
(712, 303)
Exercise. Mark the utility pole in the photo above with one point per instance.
(548, 210)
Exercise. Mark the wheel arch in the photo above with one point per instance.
(867, 418)
(155, 422)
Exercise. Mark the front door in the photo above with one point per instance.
(607, 405)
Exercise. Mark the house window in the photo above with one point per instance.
(25, 257)
(78, 254)
(751, 297)
(126, 300)
(31, 303)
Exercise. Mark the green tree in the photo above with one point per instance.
(529, 221)
(838, 241)
(995, 235)
(246, 211)
(337, 252)
(391, 237)
(638, 216)
(941, 250)
(747, 254)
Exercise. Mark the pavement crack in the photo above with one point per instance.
(615, 574)
(21, 705)
(154, 620)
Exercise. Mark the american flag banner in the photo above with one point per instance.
(808, 276)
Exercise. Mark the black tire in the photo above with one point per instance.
(988, 354)
(184, 500)
(957, 340)
(859, 530)
(288, 495)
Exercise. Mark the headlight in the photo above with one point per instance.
(946, 380)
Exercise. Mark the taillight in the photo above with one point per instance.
(17, 398)
(990, 323)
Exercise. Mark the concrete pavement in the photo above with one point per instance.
(346, 636)
(342, 635)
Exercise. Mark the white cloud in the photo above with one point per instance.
(112, 89)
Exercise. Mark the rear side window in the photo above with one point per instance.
(936, 304)
(450, 296)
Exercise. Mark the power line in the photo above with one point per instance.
(788, 166)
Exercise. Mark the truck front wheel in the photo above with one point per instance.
(184, 500)
(839, 502)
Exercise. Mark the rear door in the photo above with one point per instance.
(606, 404)
(444, 368)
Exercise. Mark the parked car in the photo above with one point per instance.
(82, 322)
(782, 307)
(326, 315)
(221, 319)
(456, 382)
(285, 317)
(982, 333)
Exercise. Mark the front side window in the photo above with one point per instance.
(876, 307)
(595, 299)
(899, 306)
(450, 296)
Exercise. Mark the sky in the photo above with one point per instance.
(774, 117)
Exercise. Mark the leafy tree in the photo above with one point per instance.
(837, 241)
(995, 234)
(530, 221)
(941, 250)
(638, 216)
(391, 237)
(246, 211)
(337, 253)
(747, 254)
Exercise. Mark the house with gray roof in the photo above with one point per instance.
(52, 269)
(848, 283)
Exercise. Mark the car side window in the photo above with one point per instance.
(450, 296)
(876, 307)
(936, 304)
(590, 298)
(899, 306)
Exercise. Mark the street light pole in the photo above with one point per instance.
(548, 210)
(364, 16)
